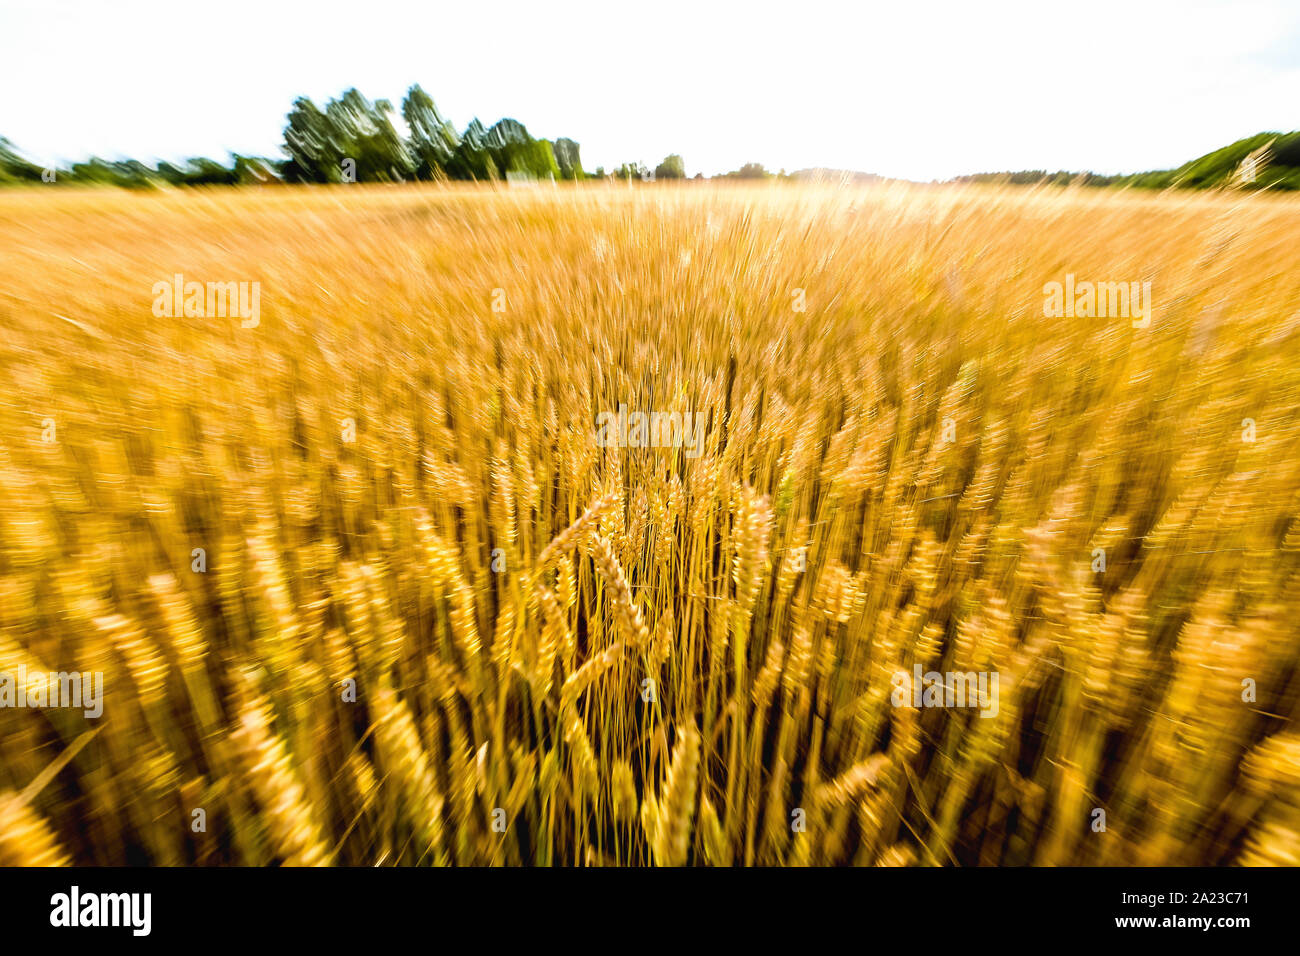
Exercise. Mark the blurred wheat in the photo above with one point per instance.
(678, 657)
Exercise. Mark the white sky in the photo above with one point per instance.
(906, 88)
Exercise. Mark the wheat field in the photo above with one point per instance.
(366, 590)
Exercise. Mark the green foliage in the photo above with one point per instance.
(567, 158)
(132, 174)
(471, 160)
(433, 140)
(671, 168)
(632, 171)
(537, 159)
(200, 171)
(351, 140)
(129, 174)
(13, 167)
(507, 143)
(749, 171)
(254, 170)
(1279, 168)
(514, 151)
(318, 142)
(308, 142)
(363, 132)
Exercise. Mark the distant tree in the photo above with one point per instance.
(537, 159)
(671, 168)
(255, 170)
(363, 132)
(92, 171)
(129, 173)
(566, 157)
(350, 129)
(433, 140)
(471, 160)
(512, 150)
(199, 171)
(507, 142)
(171, 174)
(750, 171)
(632, 171)
(15, 168)
(313, 157)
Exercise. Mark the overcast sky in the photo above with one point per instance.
(907, 88)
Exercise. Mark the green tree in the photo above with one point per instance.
(471, 159)
(199, 171)
(13, 167)
(513, 150)
(128, 173)
(536, 158)
(307, 141)
(352, 139)
(632, 171)
(433, 140)
(567, 158)
(671, 168)
(254, 171)
(363, 132)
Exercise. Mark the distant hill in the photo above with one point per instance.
(1276, 162)
(1262, 161)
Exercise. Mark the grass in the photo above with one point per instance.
(675, 660)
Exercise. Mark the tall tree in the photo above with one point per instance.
(433, 140)
(307, 141)
(471, 160)
(505, 148)
(567, 158)
(363, 132)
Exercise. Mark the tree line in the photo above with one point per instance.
(355, 139)
(1262, 161)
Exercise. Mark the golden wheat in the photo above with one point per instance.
(365, 589)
